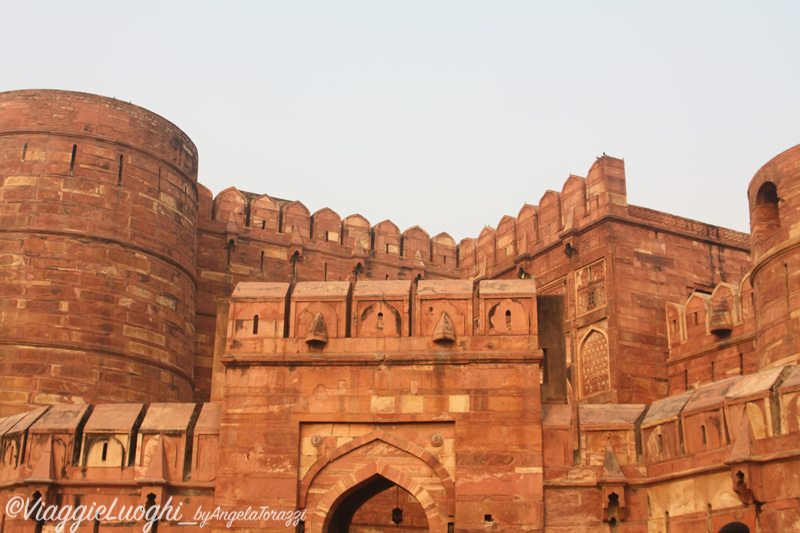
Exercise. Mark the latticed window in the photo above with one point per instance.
(590, 287)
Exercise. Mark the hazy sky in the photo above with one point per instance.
(445, 115)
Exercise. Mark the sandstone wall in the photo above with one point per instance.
(97, 246)
(774, 214)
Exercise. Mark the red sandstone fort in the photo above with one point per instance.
(587, 366)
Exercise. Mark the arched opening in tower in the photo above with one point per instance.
(375, 506)
(766, 216)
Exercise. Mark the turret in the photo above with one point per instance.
(97, 246)
(774, 196)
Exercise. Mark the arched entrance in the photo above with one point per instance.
(364, 476)
(335, 510)
(372, 506)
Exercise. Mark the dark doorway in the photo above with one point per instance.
(368, 507)
(734, 527)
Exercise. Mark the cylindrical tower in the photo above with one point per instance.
(774, 195)
(97, 252)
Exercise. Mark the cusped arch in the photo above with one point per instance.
(377, 468)
(392, 440)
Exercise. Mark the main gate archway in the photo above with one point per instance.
(342, 480)
(371, 505)
(336, 508)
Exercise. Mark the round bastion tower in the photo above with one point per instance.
(97, 252)
(774, 195)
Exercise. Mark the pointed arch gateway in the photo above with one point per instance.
(360, 485)
(365, 470)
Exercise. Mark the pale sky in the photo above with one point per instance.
(442, 114)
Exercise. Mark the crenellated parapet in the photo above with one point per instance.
(318, 317)
(399, 378)
(629, 463)
(129, 441)
(263, 220)
(558, 215)
(130, 454)
(561, 217)
(245, 237)
(705, 426)
(687, 430)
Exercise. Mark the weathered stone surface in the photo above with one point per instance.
(589, 365)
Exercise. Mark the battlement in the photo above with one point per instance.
(145, 446)
(317, 317)
(581, 202)
(724, 432)
(291, 224)
(559, 216)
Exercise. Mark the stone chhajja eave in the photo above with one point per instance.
(366, 351)
(199, 485)
(644, 481)
(381, 358)
(712, 348)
